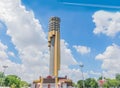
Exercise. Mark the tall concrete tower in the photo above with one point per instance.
(53, 80)
(54, 45)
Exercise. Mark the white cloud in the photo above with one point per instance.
(30, 41)
(28, 37)
(4, 59)
(95, 73)
(66, 55)
(3, 54)
(11, 54)
(110, 60)
(107, 23)
(75, 74)
(82, 49)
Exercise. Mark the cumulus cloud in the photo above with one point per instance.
(3, 54)
(4, 59)
(107, 23)
(11, 54)
(30, 42)
(95, 73)
(75, 74)
(110, 60)
(28, 37)
(82, 49)
(66, 54)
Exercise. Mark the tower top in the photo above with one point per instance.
(54, 18)
(54, 24)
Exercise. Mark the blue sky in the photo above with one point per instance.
(90, 35)
(76, 24)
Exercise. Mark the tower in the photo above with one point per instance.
(54, 45)
(53, 81)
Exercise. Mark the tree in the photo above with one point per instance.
(13, 81)
(100, 78)
(80, 84)
(2, 76)
(74, 85)
(24, 84)
(111, 83)
(91, 82)
(117, 77)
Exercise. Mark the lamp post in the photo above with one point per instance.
(4, 68)
(81, 66)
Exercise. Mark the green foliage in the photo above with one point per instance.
(24, 84)
(12, 80)
(15, 82)
(80, 83)
(100, 78)
(90, 82)
(13, 86)
(111, 83)
(117, 77)
(2, 76)
(74, 85)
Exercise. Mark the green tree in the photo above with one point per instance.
(91, 82)
(100, 78)
(117, 77)
(24, 84)
(107, 83)
(74, 85)
(13, 86)
(2, 76)
(94, 83)
(13, 81)
(80, 84)
(111, 83)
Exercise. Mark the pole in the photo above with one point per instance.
(81, 65)
(4, 68)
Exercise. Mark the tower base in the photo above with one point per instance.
(50, 82)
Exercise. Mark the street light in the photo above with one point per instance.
(4, 68)
(81, 66)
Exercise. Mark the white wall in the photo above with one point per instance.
(52, 85)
